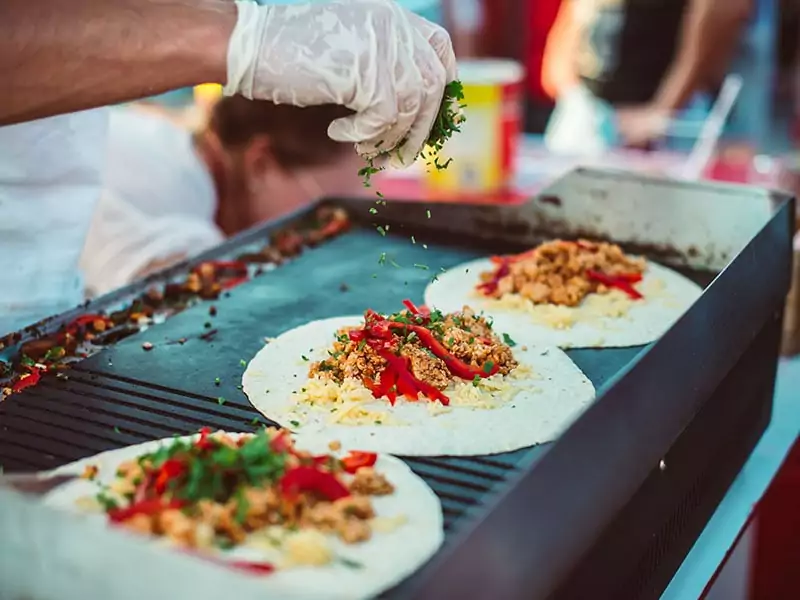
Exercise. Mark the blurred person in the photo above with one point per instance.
(60, 59)
(623, 68)
(170, 193)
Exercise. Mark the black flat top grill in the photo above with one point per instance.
(126, 394)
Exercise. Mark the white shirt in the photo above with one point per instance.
(158, 199)
(50, 178)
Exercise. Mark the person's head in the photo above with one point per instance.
(270, 159)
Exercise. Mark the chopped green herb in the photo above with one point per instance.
(304, 357)
(508, 341)
(423, 267)
(476, 380)
(55, 353)
(216, 381)
(373, 210)
(488, 366)
(221, 400)
(413, 240)
(255, 421)
(381, 230)
(382, 258)
(350, 563)
(116, 429)
(428, 213)
(294, 423)
(243, 362)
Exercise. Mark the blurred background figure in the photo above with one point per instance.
(170, 193)
(619, 70)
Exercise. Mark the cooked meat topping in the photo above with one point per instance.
(416, 347)
(218, 489)
(368, 482)
(561, 272)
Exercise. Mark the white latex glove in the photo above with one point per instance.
(385, 63)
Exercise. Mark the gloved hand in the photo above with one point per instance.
(385, 63)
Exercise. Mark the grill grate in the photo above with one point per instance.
(63, 420)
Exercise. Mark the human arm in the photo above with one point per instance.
(708, 38)
(558, 64)
(383, 62)
(59, 57)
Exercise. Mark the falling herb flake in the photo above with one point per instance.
(116, 429)
(304, 357)
(428, 213)
(242, 362)
(217, 381)
(381, 230)
(382, 258)
(508, 341)
(255, 421)
(352, 564)
(294, 423)
(373, 210)
(413, 240)
(448, 121)
(221, 400)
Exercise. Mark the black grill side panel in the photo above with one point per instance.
(640, 551)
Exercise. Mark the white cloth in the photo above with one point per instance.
(50, 177)
(373, 56)
(158, 200)
(581, 125)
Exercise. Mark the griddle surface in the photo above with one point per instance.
(126, 395)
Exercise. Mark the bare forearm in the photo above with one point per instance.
(711, 30)
(560, 53)
(58, 56)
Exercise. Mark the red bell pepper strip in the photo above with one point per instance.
(487, 288)
(232, 283)
(456, 366)
(171, 469)
(622, 282)
(237, 266)
(410, 385)
(355, 460)
(311, 479)
(418, 311)
(254, 568)
(204, 443)
(27, 380)
(83, 321)
(145, 507)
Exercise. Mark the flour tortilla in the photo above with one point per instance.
(546, 402)
(667, 295)
(387, 558)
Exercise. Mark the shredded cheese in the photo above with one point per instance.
(388, 524)
(596, 307)
(307, 548)
(345, 402)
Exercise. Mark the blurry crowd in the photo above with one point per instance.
(600, 73)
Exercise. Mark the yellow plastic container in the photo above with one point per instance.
(206, 95)
(484, 152)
